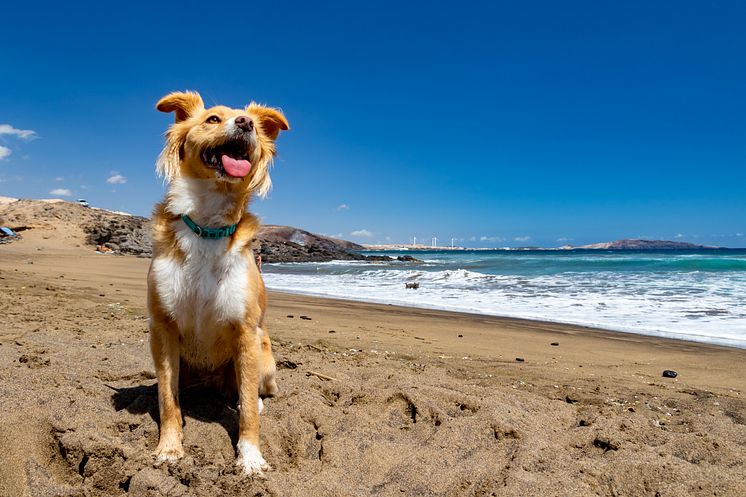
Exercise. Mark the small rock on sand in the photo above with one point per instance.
(520, 359)
(668, 373)
(606, 444)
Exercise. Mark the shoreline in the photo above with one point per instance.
(502, 320)
(689, 297)
(683, 337)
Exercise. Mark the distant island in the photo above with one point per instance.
(636, 244)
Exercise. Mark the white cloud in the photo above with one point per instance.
(116, 179)
(4, 152)
(61, 191)
(521, 238)
(679, 235)
(343, 207)
(24, 134)
(364, 233)
(563, 239)
(739, 234)
(484, 238)
(59, 178)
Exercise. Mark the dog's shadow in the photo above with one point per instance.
(197, 402)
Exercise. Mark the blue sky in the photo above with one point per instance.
(495, 123)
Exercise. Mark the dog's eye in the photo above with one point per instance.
(213, 120)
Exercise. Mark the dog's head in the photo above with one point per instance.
(233, 146)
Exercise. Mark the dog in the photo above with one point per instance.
(206, 297)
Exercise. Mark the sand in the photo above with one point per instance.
(374, 399)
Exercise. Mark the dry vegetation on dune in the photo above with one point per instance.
(373, 400)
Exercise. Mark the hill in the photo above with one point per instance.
(288, 244)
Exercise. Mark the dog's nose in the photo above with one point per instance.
(245, 123)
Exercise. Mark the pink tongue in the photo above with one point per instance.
(236, 167)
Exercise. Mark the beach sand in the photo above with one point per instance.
(374, 399)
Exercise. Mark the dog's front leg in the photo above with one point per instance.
(247, 379)
(164, 345)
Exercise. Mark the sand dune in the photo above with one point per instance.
(375, 400)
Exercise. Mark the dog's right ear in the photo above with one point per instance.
(184, 104)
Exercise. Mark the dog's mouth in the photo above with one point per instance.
(231, 158)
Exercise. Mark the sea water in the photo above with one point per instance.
(692, 295)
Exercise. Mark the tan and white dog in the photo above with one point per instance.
(206, 296)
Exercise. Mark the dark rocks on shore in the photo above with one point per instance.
(288, 244)
(287, 251)
(121, 234)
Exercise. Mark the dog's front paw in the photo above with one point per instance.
(168, 453)
(250, 459)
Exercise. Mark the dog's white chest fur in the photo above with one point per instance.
(210, 286)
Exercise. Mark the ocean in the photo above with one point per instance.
(693, 295)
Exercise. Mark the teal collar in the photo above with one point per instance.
(208, 232)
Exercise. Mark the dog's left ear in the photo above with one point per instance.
(272, 121)
(184, 104)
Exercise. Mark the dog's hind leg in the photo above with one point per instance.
(268, 368)
(247, 363)
(164, 345)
